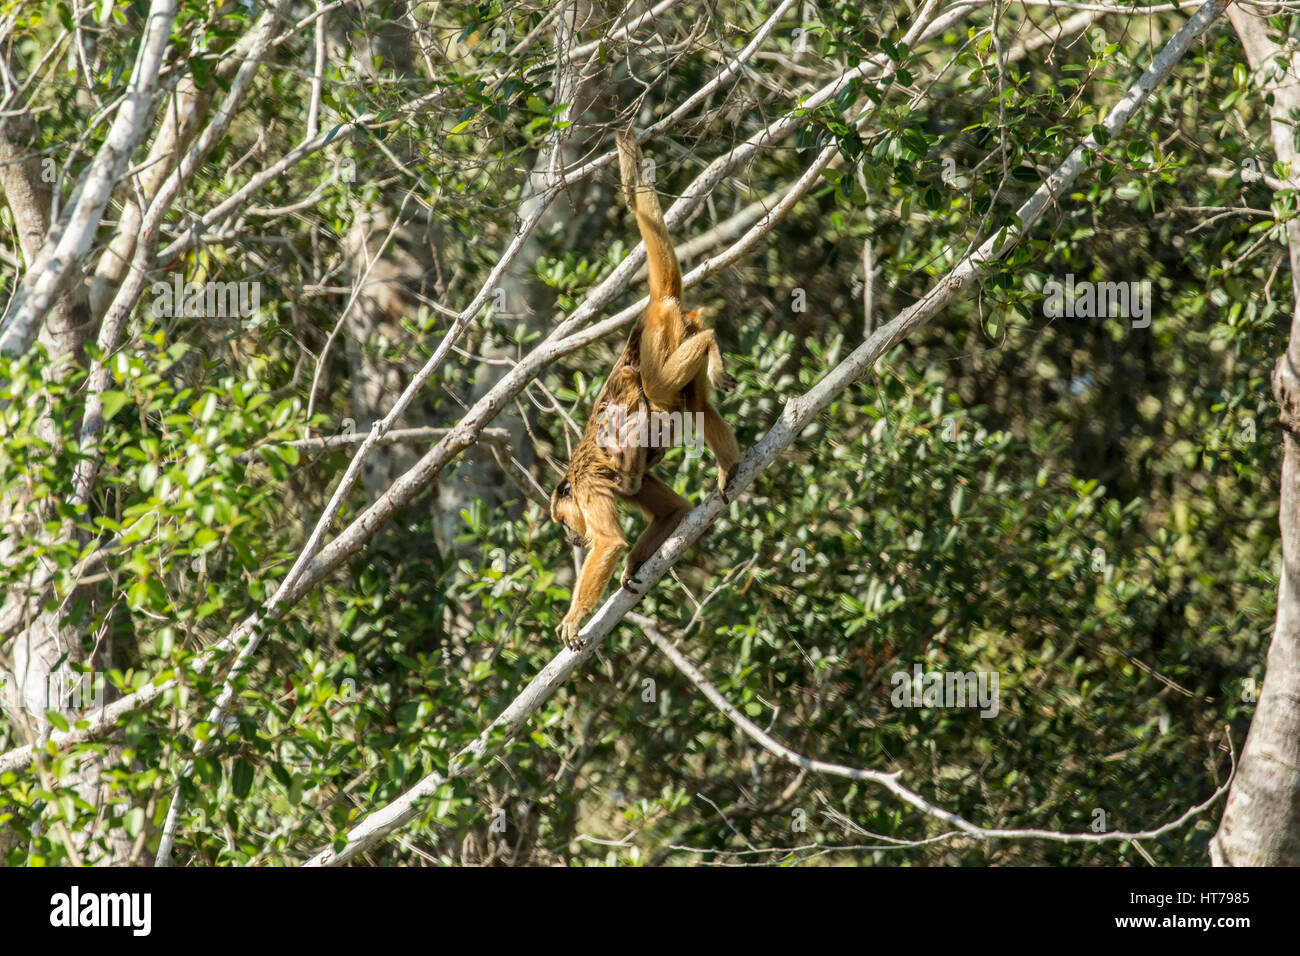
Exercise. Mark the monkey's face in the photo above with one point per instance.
(565, 511)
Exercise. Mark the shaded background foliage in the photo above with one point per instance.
(1085, 508)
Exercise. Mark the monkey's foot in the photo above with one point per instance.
(630, 581)
(568, 632)
(724, 483)
(723, 381)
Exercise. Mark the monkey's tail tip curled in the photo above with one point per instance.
(629, 161)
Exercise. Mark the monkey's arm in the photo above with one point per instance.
(596, 572)
(661, 260)
(606, 543)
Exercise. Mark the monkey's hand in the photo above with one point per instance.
(568, 632)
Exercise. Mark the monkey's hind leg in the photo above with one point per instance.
(665, 508)
(719, 438)
(698, 353)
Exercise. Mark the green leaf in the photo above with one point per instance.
(200, 71)
(113, 402)
(194, 469)
(134, 821)
(241, 778)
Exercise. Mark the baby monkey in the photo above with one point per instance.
(662, 376)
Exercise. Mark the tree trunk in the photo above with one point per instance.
(1261, 822)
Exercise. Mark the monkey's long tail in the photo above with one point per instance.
(661, 260)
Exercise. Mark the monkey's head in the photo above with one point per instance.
(565, 511)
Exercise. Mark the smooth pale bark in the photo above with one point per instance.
(57, 264)
(182, 118)
(390, 257)
(1261, 822)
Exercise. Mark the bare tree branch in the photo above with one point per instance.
(963, 827)
(71, 237)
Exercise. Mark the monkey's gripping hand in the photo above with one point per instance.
(568, 632)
